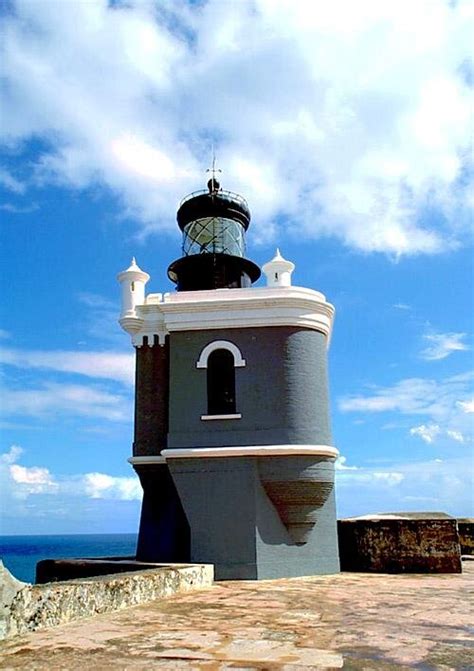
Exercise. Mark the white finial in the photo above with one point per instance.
(278, 271)
(133, 267)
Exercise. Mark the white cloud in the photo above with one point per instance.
(107, 365)
(47, 398)
(18, 209)
(428, 433)
(102, 319)
(102, 486)
(12, 455)
(11, 183)
(442, 403)
(401, 306)
(466, 406)
(34, 480)
(442, 345)
(17, 482)
(346, 118)
(435, 485)
(388, 478)
(341, 464)
(368, 477)
(456, 435)
(365, 475)
(21, 482)
(53, 399)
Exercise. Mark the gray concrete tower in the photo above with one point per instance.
(232, 434)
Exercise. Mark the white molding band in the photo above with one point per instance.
(147, 460)
(252, 451)
(229, 308)
(239, 361)
(237, 451)
(236, 415)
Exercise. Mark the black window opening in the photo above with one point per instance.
(221, 383)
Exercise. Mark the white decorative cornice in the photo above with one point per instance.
(231, 308)
(234, 415)
(327, 451)
(148, 460)
(252, 451)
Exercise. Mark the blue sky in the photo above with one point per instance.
(347, 130)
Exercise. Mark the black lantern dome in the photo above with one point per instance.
(214, 223)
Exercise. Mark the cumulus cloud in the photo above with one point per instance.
(102, 486)
(455, 435)
(12, 455)
(444, 403)
(21, 482)
(34, 480)
(466, 406)
(428, 433)
(342, 465)
(335, 119)
(442, 345)
(108, 365)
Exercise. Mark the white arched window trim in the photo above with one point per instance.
(239, 361)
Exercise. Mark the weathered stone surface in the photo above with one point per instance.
(38, 606)
(399, 544)
(359, 622)
(9, 588)
(466, 535)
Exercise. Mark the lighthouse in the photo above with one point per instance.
(232, 440)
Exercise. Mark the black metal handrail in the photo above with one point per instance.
(222, 192)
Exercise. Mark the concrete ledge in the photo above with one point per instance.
(399, 544)
(251, 451)
(26, 607)
(57, 570)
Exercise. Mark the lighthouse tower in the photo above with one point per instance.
(232, 439)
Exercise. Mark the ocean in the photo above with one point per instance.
(21, 553)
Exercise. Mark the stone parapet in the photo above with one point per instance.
(466, 535)
(399, 544)
(25, 607)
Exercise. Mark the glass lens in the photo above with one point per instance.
(214, 235)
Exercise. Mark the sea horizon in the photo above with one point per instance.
(21, 552)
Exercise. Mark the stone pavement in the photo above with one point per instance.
(350, 621)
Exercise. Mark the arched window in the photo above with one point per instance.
(221, 383)
(220, 358)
